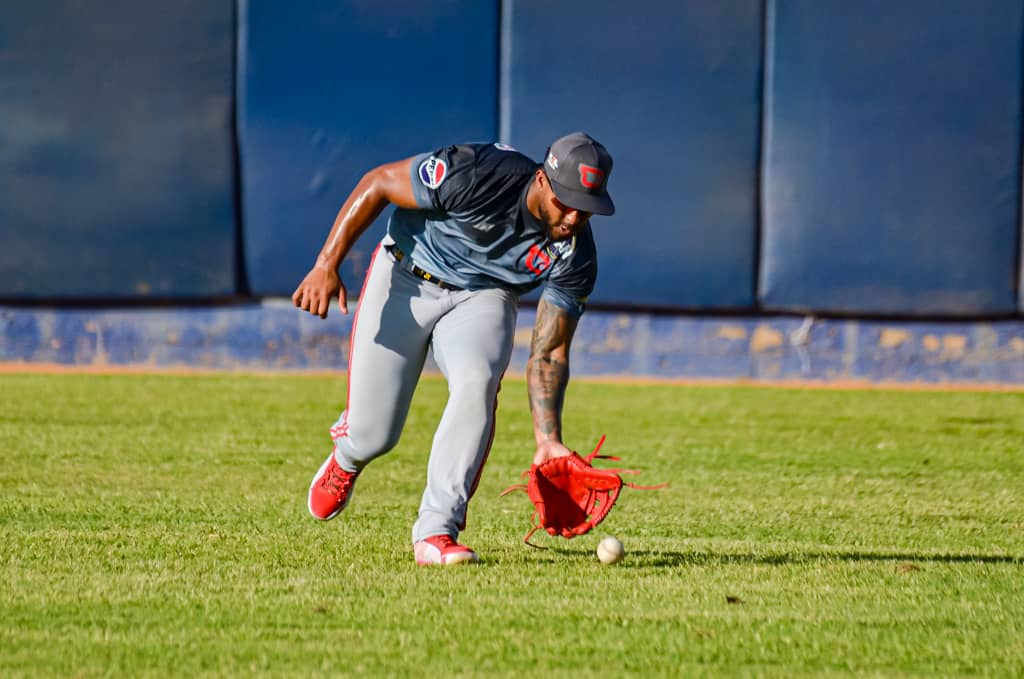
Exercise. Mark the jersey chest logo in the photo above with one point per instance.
(539, 259)
(432, 172)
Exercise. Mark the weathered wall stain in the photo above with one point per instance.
(893, 337)
(765, 338)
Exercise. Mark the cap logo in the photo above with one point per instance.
(432, 172)
(591, 177)
(552, 161)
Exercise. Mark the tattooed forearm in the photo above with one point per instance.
(547, 371)
(546, 380)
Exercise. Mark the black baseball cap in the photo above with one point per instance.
(577, 167)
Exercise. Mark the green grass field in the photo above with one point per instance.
(156, 526)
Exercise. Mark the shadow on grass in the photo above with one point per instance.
(656, 559)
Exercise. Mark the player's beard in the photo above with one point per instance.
(555, 231)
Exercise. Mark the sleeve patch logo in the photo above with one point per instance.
(432, 172)
(503, 147)
(563, 248)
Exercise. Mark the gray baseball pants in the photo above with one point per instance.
(398, 318)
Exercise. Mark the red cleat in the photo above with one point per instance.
(330, 490)
(442, 550)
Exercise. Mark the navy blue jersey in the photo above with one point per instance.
(473, 229)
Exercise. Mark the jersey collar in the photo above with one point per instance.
(531, 223)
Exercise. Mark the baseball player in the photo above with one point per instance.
(475, 226)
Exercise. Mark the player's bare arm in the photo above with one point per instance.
(547, 375)
(387, 184)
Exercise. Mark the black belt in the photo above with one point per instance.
(429, 277)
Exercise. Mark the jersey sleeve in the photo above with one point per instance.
(573, 277)
(465, 178)
(439, 175)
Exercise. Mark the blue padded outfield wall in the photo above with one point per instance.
(329, 90)
(795, 158)
(892, 156)
(772, 155)
(675, 94)
(116, 149)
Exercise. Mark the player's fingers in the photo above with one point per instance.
(297, 297)
(343, 300)
(322, 306)
(309, 301)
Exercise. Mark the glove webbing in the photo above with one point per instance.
(595, 456)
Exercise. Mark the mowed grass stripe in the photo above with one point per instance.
(156, 526)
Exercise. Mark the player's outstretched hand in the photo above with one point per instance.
(548, 450)
(316, 290)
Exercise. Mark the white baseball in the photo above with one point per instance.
(610, 550)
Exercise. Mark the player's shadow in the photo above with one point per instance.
(672, 559)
